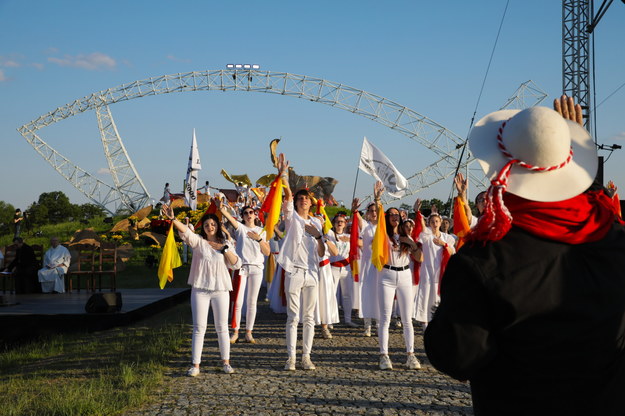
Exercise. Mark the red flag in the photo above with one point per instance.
(212, 209)
(418, 228)
(617, 205)
(444, 260)
(354, 252)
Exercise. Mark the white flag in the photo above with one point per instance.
(376, 164)
(190, 189)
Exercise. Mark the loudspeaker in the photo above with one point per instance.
(104, 303)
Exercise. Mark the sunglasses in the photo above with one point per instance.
(248, 212)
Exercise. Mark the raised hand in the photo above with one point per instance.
(417, 205)
(167, 211)
(568, 109)
(378, 190)
(461, 185)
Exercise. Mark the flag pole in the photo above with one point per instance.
(356, 181)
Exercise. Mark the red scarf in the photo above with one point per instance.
(582, 219)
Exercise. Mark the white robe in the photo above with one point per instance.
(427, 297)
(55, 264)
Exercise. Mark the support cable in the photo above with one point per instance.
(479, 98)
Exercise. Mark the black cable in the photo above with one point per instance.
(477, 104)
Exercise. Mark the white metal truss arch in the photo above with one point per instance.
(444, 143)
(132, 191)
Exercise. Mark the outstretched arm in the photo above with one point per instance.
(283, 172)
(168, 212)
(225, 213)
(461, 186)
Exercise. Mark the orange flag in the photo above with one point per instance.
(170, 259)
(379, 246)
(461, 222)
(271, 206)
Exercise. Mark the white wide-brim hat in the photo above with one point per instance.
(541, 137)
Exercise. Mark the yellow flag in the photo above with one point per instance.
(327, 223)
(379, 246)
(170, 259)
(237, 179)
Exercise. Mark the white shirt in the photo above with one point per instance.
(209, 270)
(342, 246)
(299, 248)
(396, 257)
(247, 248)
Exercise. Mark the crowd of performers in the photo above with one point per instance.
(307, 264)
(533, 306)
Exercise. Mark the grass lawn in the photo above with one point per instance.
(101, 373)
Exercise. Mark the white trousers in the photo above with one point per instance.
(200, 304)
(343, 278)
(52, 280)
(396, 283)
(298, 284)
(252, 280)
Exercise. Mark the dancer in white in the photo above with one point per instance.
(327, 305)
(396, 280)
(251, 248)
(55, 264)
(434, 244)
(299, 257)
(339, 262)
(210, 281)
(370, 308)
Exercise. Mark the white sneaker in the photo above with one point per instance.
(193, 372)
(290, 364)
(228, 369)
(385, 363)
(325, 332)
(306, 363)
(412, 363)
(397, 322)
(367, 331)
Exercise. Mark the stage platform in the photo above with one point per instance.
(24, 317)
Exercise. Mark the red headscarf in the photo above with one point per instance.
(582, 219)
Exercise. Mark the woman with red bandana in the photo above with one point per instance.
(532, 308)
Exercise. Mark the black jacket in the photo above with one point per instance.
(536, 326)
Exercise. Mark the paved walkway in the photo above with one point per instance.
(347, 380)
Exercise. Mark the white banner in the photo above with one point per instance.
(190, 188)
(376, 164)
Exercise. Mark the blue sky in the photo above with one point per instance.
(428, 56)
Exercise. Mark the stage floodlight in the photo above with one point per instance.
(230, 66)
(238, 66)
(258, 66)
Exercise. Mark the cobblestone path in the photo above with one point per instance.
(347, 380)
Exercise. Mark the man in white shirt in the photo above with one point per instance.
(55, 264)
(302, 248)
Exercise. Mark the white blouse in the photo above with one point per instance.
(209, 269)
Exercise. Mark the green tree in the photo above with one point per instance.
(52, 207)
(89, 211)
(7, 211)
